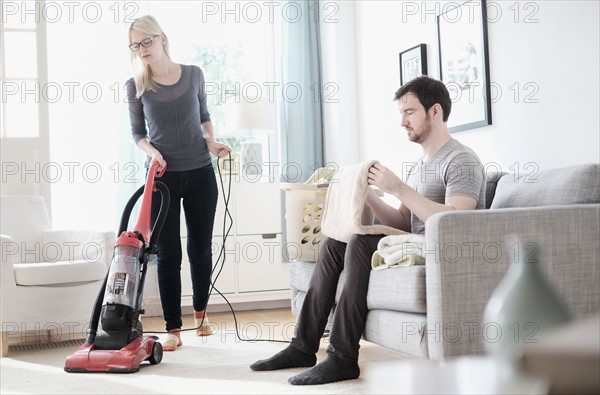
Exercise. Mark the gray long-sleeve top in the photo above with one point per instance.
(173, 115)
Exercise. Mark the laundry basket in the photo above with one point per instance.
(304, 205)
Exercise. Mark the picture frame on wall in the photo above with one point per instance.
(464, 63)
(413, 63)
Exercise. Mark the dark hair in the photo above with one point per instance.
(429, 92)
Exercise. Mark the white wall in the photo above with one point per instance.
(340, 88)
(557, 52)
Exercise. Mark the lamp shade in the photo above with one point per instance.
(250, 115)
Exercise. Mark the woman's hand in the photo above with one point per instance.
(217, 149)
(157, 157)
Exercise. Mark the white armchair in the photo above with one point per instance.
(50, 278)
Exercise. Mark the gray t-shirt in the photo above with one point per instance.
(173, 115)
(455, 170)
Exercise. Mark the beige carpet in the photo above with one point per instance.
(217, 364)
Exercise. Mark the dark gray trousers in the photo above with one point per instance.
(350, 314)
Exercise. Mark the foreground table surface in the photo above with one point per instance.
(464, 375)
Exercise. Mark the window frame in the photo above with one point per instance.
(38, 147)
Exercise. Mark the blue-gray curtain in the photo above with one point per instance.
(302, 126)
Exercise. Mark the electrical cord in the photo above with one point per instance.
(222, 257)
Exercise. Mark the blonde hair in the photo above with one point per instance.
(142, 74)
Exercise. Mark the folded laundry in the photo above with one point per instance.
(399, 251)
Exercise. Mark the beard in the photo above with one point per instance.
(421, 133)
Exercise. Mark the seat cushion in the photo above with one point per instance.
(55, 273)
(396, 289)
(569, 185)
(404, 332)
(300, 273)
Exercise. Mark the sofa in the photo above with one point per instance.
(50, 278)
(436, 310)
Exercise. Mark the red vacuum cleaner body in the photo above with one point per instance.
(119, 345)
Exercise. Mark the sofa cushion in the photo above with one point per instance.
(578, 184)
(491, 182)
(24, 218)
(398, 289)
(300, 274)
(71, 245)
(55, 273)
(405, 332)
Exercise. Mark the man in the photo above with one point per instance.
(449, 176)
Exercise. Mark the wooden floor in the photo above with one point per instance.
(271, 324)
(274, 324)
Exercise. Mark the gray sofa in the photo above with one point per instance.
(436, 310)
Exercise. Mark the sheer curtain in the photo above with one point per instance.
(301, 111)
(87, 69)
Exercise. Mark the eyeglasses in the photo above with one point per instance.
(144, 43)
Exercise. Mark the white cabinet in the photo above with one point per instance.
(261, 267)
(254, 270)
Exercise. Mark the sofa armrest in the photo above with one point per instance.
(467, 257)
(8, 249)
(72, 245)
(8, 282)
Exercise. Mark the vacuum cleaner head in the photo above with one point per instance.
(88, 359)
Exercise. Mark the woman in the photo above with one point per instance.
(170, 99)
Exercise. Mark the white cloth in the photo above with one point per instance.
(399, 251)
(345, 212)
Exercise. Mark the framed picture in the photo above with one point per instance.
(413, 63)
(464, 63)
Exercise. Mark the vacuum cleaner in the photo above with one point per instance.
(119, 346)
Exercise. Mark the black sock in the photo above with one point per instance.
(289, 357)
(329, 371)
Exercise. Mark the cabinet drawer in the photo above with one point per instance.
(258, 207)
(261, 266)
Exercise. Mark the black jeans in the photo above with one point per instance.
(198, 190)
(350, 314)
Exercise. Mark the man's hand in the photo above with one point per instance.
(384, 178)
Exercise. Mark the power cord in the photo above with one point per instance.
(221, 257)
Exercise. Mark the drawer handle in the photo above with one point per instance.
(269, 235)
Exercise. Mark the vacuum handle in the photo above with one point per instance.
(164, 191)
(143, 223)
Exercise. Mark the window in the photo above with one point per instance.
(23, 110)
(19, 75)
(94, 166)
(233, 44)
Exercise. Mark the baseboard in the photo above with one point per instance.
(243, 306)
(155, 310)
